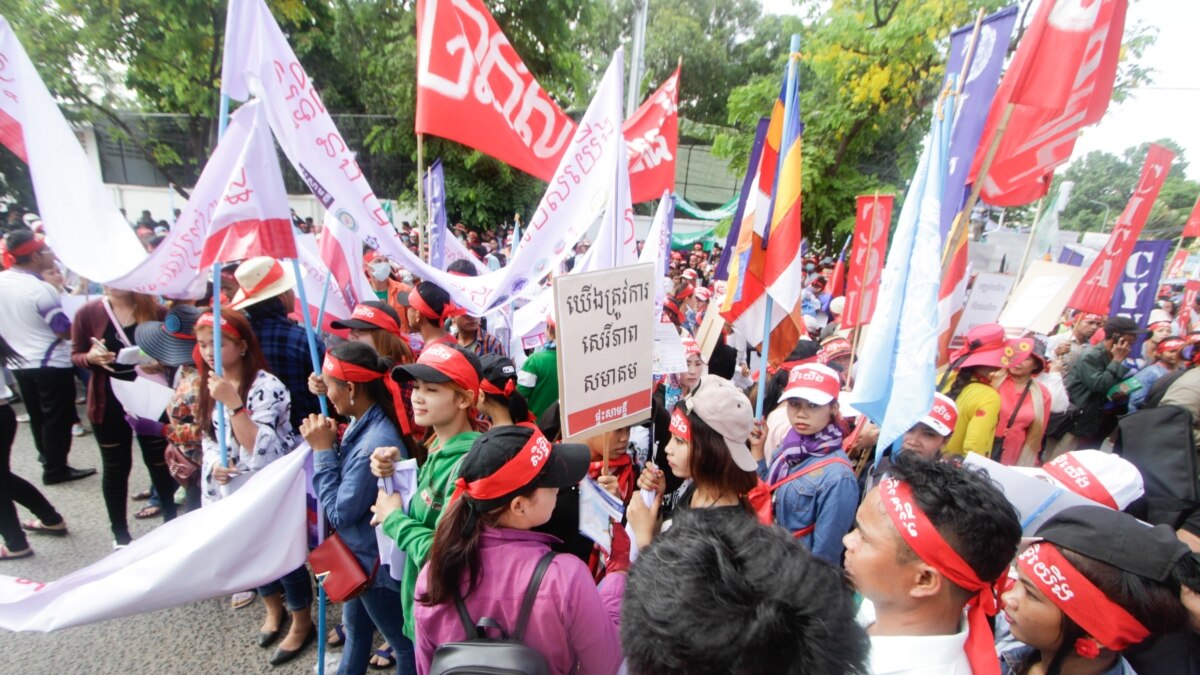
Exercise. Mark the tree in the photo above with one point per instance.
(1104, 179)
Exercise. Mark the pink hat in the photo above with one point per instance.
(703, 294)
(1107, 479)
(690, 347)
(689, 274)
(812, 382)
(943, 416)
(984, 347)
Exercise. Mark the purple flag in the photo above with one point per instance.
(971, 107)
(1138, 288)
(760, 137)
(435, 198)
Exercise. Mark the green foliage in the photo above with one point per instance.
(1103, 179)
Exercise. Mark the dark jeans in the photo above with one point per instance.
(379, 607)
(296, 586)
(13, 488)
(116, 455)
(49, 395)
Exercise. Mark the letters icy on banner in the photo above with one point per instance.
(1100, 283)
(1136, 295)
(605, 345)
(872, 220)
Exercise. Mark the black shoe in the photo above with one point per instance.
(66, 475)
(282, 656)
(268, 638)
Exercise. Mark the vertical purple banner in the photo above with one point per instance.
(1138, 287)
(971, 108)
(435, 198)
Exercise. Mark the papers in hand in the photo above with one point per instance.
(403, 481)
(597, 510)
(142, 397)
(133, 356)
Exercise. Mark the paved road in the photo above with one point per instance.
(197, 639)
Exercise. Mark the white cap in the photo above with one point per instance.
(837, 305)
(1104, 478)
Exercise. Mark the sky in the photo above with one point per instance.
(1167, 108)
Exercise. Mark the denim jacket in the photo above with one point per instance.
(1014, 654)
(825, 499)
(344, 484)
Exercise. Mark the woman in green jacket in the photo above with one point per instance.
(446, 382)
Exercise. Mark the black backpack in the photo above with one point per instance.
(481, 655)
(1158, 441)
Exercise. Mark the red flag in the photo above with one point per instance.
(1175, 269)
(1192, 227)
(1190, 290)
(651, 137)
(874, 217)
(1094, 293)
(1060, 80)
(473, 88)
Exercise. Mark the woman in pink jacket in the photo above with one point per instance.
(485, 552)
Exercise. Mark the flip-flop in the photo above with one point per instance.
(340, 631)
(6, 554)
(387, 655)
(148, 512)
(38, 527)
(242, 599)
(141, 496)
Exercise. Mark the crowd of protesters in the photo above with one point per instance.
(776, 540)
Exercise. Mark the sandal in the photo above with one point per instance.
(141, 496)
(6, 554)
(340, 631)
(384, 658)
(242, 599)
(38, 527)
(152, 511)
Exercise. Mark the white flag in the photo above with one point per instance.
(250, 538)
(83, 225)
(238, 210)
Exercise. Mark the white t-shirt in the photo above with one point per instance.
(27, 306)
(915, 655)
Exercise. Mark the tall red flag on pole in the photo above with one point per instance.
(872, 220)
(1192, 227)
(1094, 293)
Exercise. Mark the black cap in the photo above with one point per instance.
(171, 341)
(1122, 325)
(364, 325)
(1116, 538)
(567, 465)
(498, 369)
(435, 296)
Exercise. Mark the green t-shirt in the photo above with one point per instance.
(538, 380)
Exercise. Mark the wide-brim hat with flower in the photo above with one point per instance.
(985, 345)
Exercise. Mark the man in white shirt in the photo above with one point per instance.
(929, 542)
(1064, 347)
(33, 323)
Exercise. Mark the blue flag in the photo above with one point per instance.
(435, 199)
(896, 368)
(974, 102)
(1138, 288)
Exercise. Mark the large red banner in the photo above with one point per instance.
(1190, 290)
(473, 88)
(872, 220)
(1175, 269)
(1060, 80)
(1094, 293)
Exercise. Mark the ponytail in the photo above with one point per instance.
(364, 356)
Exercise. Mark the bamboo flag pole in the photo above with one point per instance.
(963, 219)
(1037, 219)
(422, 216)
(966, 67)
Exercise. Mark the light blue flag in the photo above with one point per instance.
(896, 369)
(435, 198)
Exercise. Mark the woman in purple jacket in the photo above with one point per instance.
(484, 549)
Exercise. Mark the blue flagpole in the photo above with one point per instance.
(789, 137)
(218, 366)
(308, 329)
(324, 298)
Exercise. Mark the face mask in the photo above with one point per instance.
(380, 271)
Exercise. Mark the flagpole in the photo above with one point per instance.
(789, 108)
(422, 216)
(218, 365)
(1037, 218)
(962, 221)
(974, 42)
(324, 297)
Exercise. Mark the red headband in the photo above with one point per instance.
(379, 319)
(349, 372)
(680, 426)
(274, 274)
(1068, 471)
(451, 363)
(685, 293)
(207, 321)
(923, 538)
(516, 473)
(1079, 599)
(487, 387)
(449, 310)
(28, 248)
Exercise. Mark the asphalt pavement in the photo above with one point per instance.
(196, 639)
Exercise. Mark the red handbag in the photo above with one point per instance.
(338, 571)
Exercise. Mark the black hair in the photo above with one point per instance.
(719, 593)
(365, 356)
(967, 508)
(515, 403)
(18, 238)
(710, 462)
(965, 376)
(8, 356)
(267, 308)
(462, 266)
